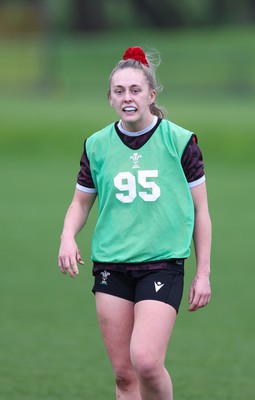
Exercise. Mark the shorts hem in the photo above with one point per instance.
(112, 294)
(161, 301)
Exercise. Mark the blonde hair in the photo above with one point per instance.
(149, 71)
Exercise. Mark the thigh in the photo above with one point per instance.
(154, 321)
(116, 320)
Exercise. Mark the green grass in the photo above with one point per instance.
(51, 346)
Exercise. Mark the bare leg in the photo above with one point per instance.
(116, 320)
(153, 326)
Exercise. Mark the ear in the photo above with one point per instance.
(110, 100)
(152, 97)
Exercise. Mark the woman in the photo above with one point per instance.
(148, 175)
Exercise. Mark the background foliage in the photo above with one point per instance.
(99, 15)
(52, 95)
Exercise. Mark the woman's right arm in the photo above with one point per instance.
(75, 219)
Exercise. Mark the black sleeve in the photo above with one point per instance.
(192, 160)
(84, 177)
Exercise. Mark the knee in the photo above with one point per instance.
(146, 367)
(125, 381)
(122, 383)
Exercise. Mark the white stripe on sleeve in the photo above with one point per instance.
(197, 182)
(85, 189)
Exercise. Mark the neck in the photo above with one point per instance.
(140, 132)
(137, 126)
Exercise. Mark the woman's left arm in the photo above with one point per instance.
(200, 291)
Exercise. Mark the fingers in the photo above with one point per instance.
(68, 265)
(200, 294)
(191, 294)
(68, 257)
(78, 258)
(199, 302)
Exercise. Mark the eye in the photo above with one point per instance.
(136, 90)
(118, 91)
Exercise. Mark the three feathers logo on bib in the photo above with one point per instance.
(135, 160)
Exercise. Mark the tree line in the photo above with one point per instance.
(165, 14)
(100, 15)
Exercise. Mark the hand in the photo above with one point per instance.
(68, 257)
(200, 293)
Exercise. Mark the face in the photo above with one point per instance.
(131, 96)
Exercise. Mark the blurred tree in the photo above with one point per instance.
(97, 15)
(40, 12)
(252, 9)
(88, 15)
(219, 11)
(162, 13)
(225, 11)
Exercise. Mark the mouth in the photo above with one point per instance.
(129, 109)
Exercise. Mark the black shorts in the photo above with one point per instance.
(164, 285)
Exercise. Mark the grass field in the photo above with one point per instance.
(50, 343)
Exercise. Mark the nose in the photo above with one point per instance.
(127, 97)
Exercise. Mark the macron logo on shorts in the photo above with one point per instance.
(158, 285)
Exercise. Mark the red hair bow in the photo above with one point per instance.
(136, 53)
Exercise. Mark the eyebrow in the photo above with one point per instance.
(134, 85)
